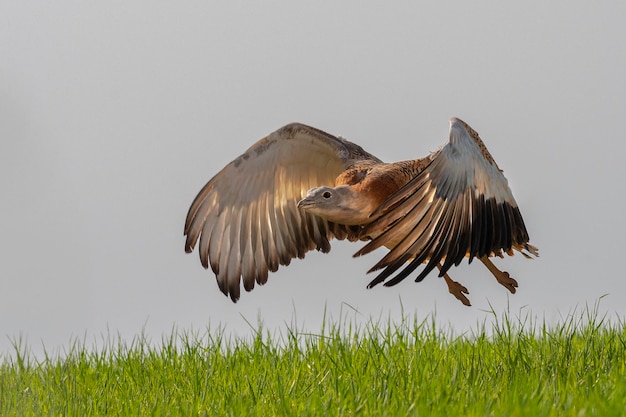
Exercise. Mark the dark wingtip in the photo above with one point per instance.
(189, 244)
(205, 264)
(374, 283)
(233, 294)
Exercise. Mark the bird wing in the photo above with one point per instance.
(246, 218)
(459, 205)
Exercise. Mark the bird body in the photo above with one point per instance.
(363, 188)
(300, 187)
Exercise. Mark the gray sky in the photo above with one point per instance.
(114, 114)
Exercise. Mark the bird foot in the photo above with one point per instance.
(505, 279)
(457, 290)
(502, 277)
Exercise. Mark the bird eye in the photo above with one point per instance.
(326, 194)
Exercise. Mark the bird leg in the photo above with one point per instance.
(455, 288)
(503, 277)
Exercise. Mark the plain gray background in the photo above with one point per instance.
(114, 114)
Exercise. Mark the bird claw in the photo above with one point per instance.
(505, 279)
(502, 277)
(458, 290)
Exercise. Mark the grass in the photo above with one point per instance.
(515, 368)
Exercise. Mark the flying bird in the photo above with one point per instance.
(299, 187)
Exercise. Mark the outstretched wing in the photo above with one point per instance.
(459, 205)
(245, 217)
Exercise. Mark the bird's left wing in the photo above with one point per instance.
(459, 205)
(246, 218)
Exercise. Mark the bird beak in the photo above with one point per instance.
(301, 203)
(308, 200)
(305, 202)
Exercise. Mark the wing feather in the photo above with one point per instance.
(459, 205)
(245, 218)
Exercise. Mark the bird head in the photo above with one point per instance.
(336, 204)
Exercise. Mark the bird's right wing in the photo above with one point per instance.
(459, 205)
(246, 218)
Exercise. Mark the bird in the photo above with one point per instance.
(299, 187)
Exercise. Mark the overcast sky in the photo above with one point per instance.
(114, 114)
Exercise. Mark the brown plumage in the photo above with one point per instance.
(299, 187)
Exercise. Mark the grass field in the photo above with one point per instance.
(512, 368)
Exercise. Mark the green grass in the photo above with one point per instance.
(514, 368)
